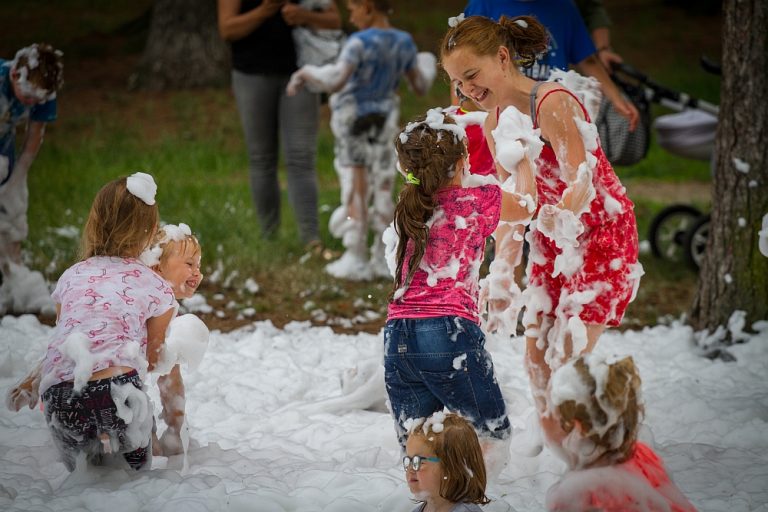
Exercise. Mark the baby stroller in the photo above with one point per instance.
(678, 232)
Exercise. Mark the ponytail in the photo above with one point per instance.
(527, 37)
(428, 154)
(524, 36)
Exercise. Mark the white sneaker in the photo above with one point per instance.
(339, 222)
(350, 266)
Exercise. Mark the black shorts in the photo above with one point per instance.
(77, 420)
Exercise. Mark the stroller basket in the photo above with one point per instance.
(621, 146)
(689, 134)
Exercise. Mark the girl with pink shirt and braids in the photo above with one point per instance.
(434, 349)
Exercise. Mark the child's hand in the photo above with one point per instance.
(293, 15)
(295, 83)
(271, 7)
(24, 393)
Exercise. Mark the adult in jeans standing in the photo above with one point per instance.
(263, 59)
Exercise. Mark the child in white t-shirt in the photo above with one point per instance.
(365, 109)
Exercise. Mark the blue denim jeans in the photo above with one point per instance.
(431, 363)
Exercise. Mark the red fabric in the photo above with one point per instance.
(480, 157)
(638, 484)
(645, 464)
(607, 237)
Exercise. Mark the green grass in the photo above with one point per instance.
(191, 142)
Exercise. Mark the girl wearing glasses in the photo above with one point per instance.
(444, 465)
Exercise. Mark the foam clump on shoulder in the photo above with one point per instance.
(142, 185)
(515, 139)
(586, 88)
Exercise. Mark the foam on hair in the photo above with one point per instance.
(40, 69)
(170, 239)
(524, 36)
(455, 443)
(604, 398)
(119, 223)
(429, 149)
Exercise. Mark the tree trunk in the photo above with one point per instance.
(183, 48)
(734, 273)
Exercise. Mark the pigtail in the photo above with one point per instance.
(527, 37)
(428, 155)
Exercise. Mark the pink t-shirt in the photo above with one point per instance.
(109, 300)
(446, 282)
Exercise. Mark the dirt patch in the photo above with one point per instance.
(670, 192)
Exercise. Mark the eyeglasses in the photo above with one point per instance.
(415, 461)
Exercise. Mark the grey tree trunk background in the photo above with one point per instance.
(734, 274)
(183, 48)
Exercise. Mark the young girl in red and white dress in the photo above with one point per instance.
(112, 315)
(583, 269)
(595, 413)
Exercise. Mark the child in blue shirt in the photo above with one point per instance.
(28, 86)
(364, 119)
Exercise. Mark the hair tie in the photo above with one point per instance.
(410, 178)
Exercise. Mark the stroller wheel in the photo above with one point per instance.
(696, 242)
(668, 229)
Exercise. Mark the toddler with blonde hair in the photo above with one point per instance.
(594, 415)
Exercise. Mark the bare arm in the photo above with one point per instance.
(593, 67)
(558, 121)
(488, 127)
(234, 26)
(294, 15)
(329, 78)
(31, 146)
(602, 38)
(172, 397)
(421, 76)
(156, 329)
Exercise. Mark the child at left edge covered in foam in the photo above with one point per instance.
(112, 316)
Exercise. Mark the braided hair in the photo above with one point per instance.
(428, 152)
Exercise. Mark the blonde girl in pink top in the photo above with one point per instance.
(112, 315)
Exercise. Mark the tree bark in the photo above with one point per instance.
(183, 47)
(734, 273)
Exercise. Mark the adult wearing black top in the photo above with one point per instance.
(263, 58)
